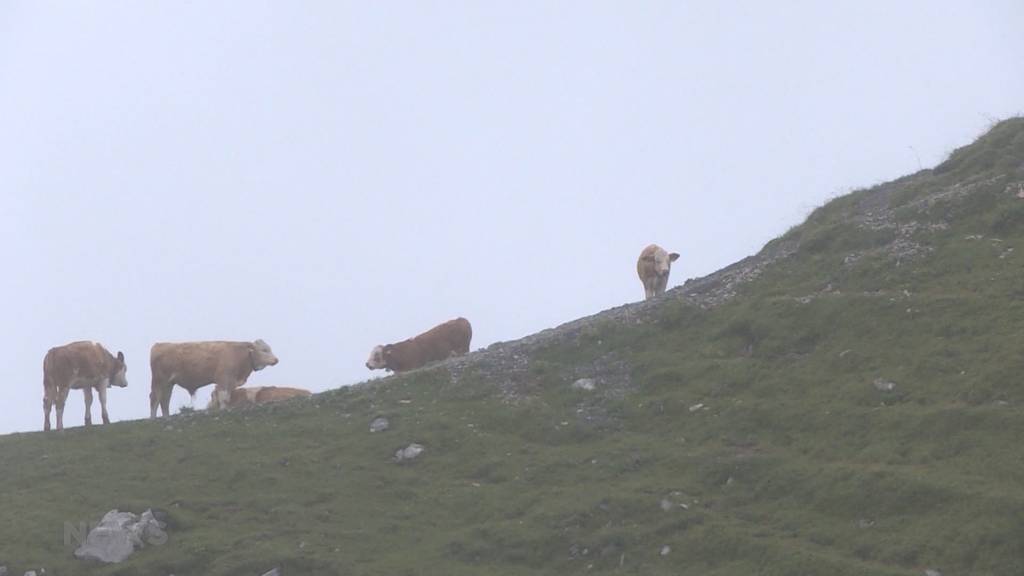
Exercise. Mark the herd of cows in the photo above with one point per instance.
(88, 366)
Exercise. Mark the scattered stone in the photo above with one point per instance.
(665, 550)
(666, 504)
(932, 572)
(696, 407)
(119, 534)
(379, 424)
(586, 384)
(30, 573)
(274, 572)
(884, 385)
(409, 452)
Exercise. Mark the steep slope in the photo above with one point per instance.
(846, 402)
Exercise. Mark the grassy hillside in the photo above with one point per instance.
(848, 402)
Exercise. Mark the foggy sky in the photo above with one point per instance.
(329, 176)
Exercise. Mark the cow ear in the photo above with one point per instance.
(673, 257)
(120, 357)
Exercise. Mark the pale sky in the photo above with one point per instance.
(328, 176)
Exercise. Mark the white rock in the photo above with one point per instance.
(696, 407)
(884, 385)
(932, 572)
(665, 550)
(666, 504)
(379, 424)
(274, 572)
(409, 452)
(587, 384)
(119, 534)
(3, 570)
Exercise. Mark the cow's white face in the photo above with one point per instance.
(663, 262)
(261, 355)
(120, 376)
(377, 360)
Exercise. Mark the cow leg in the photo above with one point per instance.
(660, 285)
(102, 393)
(87, 392)
(154, 401)
(223, 394)
(165, 400)
(62, 398)
(47, 404)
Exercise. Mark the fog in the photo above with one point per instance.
(329, 176)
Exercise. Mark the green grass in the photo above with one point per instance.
(796, 465)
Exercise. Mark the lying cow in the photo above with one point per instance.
(80, 366)
(440, 342)
(653, 267)
(193, 365)
(257, 395)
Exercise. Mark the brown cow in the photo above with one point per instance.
(257, 395)
(80, 366)
(440, 342)
(653, 267)
(193, 365)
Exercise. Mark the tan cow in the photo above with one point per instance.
(257, 395)
(653, 267)
(80, 366)
(440, 342)
(193, 365)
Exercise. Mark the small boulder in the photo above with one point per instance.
(932, 572)
(665, 550)
(274, 572)
(409, 452)
(586, 384)
(119, 534)
(883, 385)
(379, 424)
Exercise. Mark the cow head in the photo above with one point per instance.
(380, 357)
(261, 355)
(663, 262)
(118, 376)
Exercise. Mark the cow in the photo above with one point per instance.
(653, 267)
(257, 395)
(80, 366)
(440, 342)
(193, 365)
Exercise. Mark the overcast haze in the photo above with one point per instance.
(328, 176)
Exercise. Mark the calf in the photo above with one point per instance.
(193, 365)
(653, 267)
(80, 366)
(257, 395)
(440, 342)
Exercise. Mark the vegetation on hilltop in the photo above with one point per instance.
(854, 409)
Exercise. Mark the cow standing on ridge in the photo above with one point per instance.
(193, 365)
(653, 267)
(80, 366)
(440, 342)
